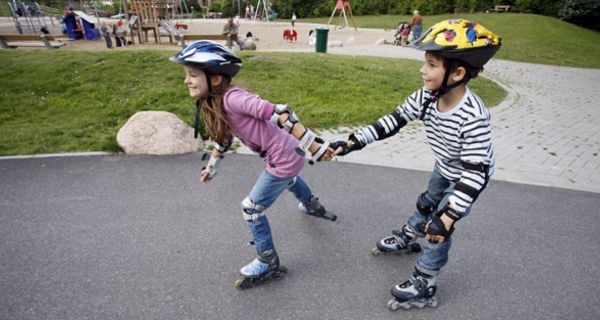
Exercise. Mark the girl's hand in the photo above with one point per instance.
(205, 175)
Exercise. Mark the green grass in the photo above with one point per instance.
(61, 101)
(525, 37)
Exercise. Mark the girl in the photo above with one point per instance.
(272, 131)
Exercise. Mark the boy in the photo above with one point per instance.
(457, 126)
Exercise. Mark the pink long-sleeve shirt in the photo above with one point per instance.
(249, 115)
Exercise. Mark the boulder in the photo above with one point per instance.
(157, 133)
(249, 45)
(381, 41)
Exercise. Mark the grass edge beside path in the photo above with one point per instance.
(80, 103)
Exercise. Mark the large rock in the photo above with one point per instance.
(249, 44)
(157, 132)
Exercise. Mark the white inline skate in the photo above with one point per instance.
(261, 270)
(401, 240)
(418, 291)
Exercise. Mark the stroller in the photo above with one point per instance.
(402, 31)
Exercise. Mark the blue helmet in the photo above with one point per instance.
(209, 56)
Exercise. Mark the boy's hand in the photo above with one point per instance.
(341, 147)
(434, 231)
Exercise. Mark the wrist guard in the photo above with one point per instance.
(437, 228)
(306, 140)
(212, 166)
(322, 149)
(356, 145)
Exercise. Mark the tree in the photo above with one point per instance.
(582, 12)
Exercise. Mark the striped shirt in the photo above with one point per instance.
(460, 140)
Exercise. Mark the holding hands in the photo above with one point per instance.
(342, 147)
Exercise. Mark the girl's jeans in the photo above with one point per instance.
(265, 191)
(435, 255)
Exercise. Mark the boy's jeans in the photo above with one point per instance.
(435, 255)
(265, 191)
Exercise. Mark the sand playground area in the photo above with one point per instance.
(269, 35)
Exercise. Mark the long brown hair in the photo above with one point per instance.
(214, 115)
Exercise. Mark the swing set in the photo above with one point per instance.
(344, 7)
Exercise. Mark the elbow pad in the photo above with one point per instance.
(292, 119)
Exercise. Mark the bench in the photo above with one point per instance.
(213, 15)
(12, 41)
(500, 8)
(182, 38)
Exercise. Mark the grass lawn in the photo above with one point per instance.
(60, 101)
(525, 37)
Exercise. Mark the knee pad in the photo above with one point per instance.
(424, 208)
(252, 211)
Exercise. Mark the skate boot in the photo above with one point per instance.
(261, 270)
(314, 208)
(418, 291)
(401, 240)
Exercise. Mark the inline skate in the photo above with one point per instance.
(418, 291)
(313, 207)
(401, 240)
(261, 270)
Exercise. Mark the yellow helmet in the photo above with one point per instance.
(460, 39)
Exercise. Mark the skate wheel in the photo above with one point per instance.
(433, 302)
(375, 251)
(241, 284)
(393, 305)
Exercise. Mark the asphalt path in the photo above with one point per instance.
(138, 237)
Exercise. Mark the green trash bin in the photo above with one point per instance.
(321, 45)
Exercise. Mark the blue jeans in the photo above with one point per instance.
(265, 191)
(434, 255)
(108, 40)
(417, 31)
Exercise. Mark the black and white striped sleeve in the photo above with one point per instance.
(476, 144)
(385, 127)
(413, 105)
(390, 124)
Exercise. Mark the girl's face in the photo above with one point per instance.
(433, 72)
(195, 80)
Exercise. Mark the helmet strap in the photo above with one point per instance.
(445, 88)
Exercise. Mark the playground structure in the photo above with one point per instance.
(266, 10)
(343, 6)
(151, 15)
(29, 17)
(81, 26)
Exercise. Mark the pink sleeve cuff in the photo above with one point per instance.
(268, 111)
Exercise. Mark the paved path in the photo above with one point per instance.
(547, 132)
(138, 237)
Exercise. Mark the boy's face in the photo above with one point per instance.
(195, 80)
(433, 72)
